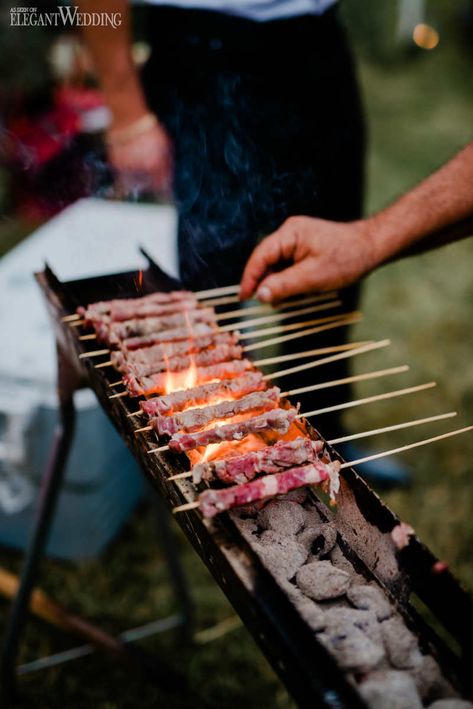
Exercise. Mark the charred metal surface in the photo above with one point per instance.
(363, 521)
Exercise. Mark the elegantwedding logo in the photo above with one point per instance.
(64, 16)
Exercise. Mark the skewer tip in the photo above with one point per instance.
(159, 450)
(119, 395)
(180, 476)
(184, 508)
(142, 430)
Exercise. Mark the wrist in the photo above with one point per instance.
(123, 134)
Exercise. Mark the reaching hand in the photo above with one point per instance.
(325, 255)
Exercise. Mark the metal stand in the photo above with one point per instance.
(68, 383)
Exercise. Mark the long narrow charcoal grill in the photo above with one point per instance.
(363, 523)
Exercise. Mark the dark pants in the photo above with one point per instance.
(266, 123)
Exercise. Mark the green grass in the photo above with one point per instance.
(419, 114)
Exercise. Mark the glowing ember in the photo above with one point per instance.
(425, 36)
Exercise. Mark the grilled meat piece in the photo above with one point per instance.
(105, 306)
(277, 420)
(195, 419)
(202, 394)
(116, 332)
(175, 335)
(272, 459)
(170, 349)
(212, 502)
(156, 383)
(221, 353)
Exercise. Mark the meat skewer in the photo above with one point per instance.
(204, 358)
(270, 459)
(243, 468)
(156, 353)
(278, 420)
(157, 383)
(212, 502)
(173, 445)
(195, 419)
(104, 306)
(177, 401)
(113, 333)
(178, 334)
(203, 394)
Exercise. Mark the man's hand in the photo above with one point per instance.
(325, 255)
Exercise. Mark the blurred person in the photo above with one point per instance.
(250, 111)
(325, 255)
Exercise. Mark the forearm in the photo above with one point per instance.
(437, 211)
(111, 54)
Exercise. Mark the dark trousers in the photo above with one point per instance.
(266, 123)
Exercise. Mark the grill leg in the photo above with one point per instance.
(176, 571)
(50, 487)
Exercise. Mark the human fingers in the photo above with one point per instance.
(273, 249)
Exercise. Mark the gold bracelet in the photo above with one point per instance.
(121, 136)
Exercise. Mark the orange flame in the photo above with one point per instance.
(139, 281)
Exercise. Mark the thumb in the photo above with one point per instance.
(294, 280)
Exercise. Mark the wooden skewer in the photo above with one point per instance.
(348, 380)
(424, 442)
(119, 395)
(104, 364)
(356, 436)
(77, 323)
(326, 385)
(334, 321)
(230, 299)
(266, 308)
(309, 353)
(290, 357)
(71, 318)
(92, 336)
(376, 456)
(243, 324)
(214, 292)
(93, 353)
(394, 427)
(326, 360)
(368, 400)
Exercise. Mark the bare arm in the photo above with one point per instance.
(135, 143)
(328, 255)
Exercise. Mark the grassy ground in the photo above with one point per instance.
(419, 114)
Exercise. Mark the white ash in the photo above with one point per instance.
(338, 618)
(352, 649)
(321, 580)
(319, 539)
(353, 619)
(283, 516)
(282, 555)
(370, 598)
(451, 704)
(390, 689)
(401, 645)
